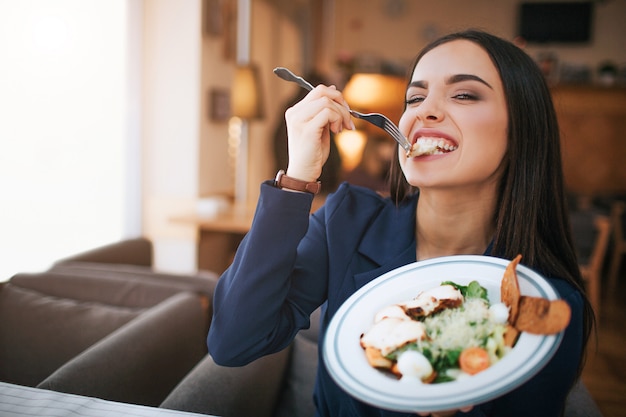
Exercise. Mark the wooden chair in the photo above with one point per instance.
(619, 243)
(591, 236)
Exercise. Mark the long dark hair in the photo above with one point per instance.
(532, 218)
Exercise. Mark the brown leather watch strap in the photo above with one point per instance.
(283, 181)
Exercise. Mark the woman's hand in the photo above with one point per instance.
(309, 124)
(447, 413)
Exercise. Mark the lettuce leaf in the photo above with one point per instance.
(472, 290)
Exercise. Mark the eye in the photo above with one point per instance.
(465, 96)
(415, 99)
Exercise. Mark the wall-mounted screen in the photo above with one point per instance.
(556, 22)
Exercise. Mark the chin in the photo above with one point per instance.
(420, 178)
(424, 182)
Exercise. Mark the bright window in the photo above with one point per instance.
(65, 170)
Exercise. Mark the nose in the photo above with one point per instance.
(430, 110)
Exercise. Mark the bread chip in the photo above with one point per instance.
(541, 316)
(510, 335)
(376, 359)
(509, 289)
(530, 314)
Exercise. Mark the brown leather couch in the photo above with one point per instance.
(104, 324)
(116, 331)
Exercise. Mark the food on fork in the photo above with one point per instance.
(430, 146)
(452, 331)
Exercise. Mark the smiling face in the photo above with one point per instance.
(456, 100)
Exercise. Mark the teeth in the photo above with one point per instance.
(430, 146)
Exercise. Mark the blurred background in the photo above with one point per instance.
(160, 118)
(117, 115)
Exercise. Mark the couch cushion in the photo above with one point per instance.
(39, 333)
(580, 403)
(142, 361)
(296, 399)
(111, 289)
(203, 281)
(250, 390)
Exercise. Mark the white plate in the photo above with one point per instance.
(346, 362)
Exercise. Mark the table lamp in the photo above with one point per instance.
(246, 105)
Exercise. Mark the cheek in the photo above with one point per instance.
(489, 128)
(402, 160)
(490, 140)
(500, 136)
(404, 124)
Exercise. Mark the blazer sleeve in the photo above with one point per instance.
(269, 291)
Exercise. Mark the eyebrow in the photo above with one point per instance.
(457, 78)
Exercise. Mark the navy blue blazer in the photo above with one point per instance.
(291, 262)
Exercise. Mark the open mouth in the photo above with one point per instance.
(430, 146)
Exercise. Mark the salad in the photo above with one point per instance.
(452, 331)
(445, 333)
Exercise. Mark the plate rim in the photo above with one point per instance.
(545, 345)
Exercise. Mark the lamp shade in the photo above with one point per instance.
(246, 99)
(376, 93)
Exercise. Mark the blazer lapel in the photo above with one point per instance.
(389, 242)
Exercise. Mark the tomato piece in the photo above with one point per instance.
(473, 360)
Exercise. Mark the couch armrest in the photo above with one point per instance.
(580, 403)
(142, 361)
(136, 251)
(250, 390)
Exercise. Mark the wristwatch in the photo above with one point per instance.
(283, 181)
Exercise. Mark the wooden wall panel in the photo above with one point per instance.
(593, 129)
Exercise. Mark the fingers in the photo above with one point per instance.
(329, 104)
(449, 413)
(309, 123)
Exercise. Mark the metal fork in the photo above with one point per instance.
(376, 119)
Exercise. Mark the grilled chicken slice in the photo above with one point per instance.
(432, 301)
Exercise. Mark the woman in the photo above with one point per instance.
(497, 190)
